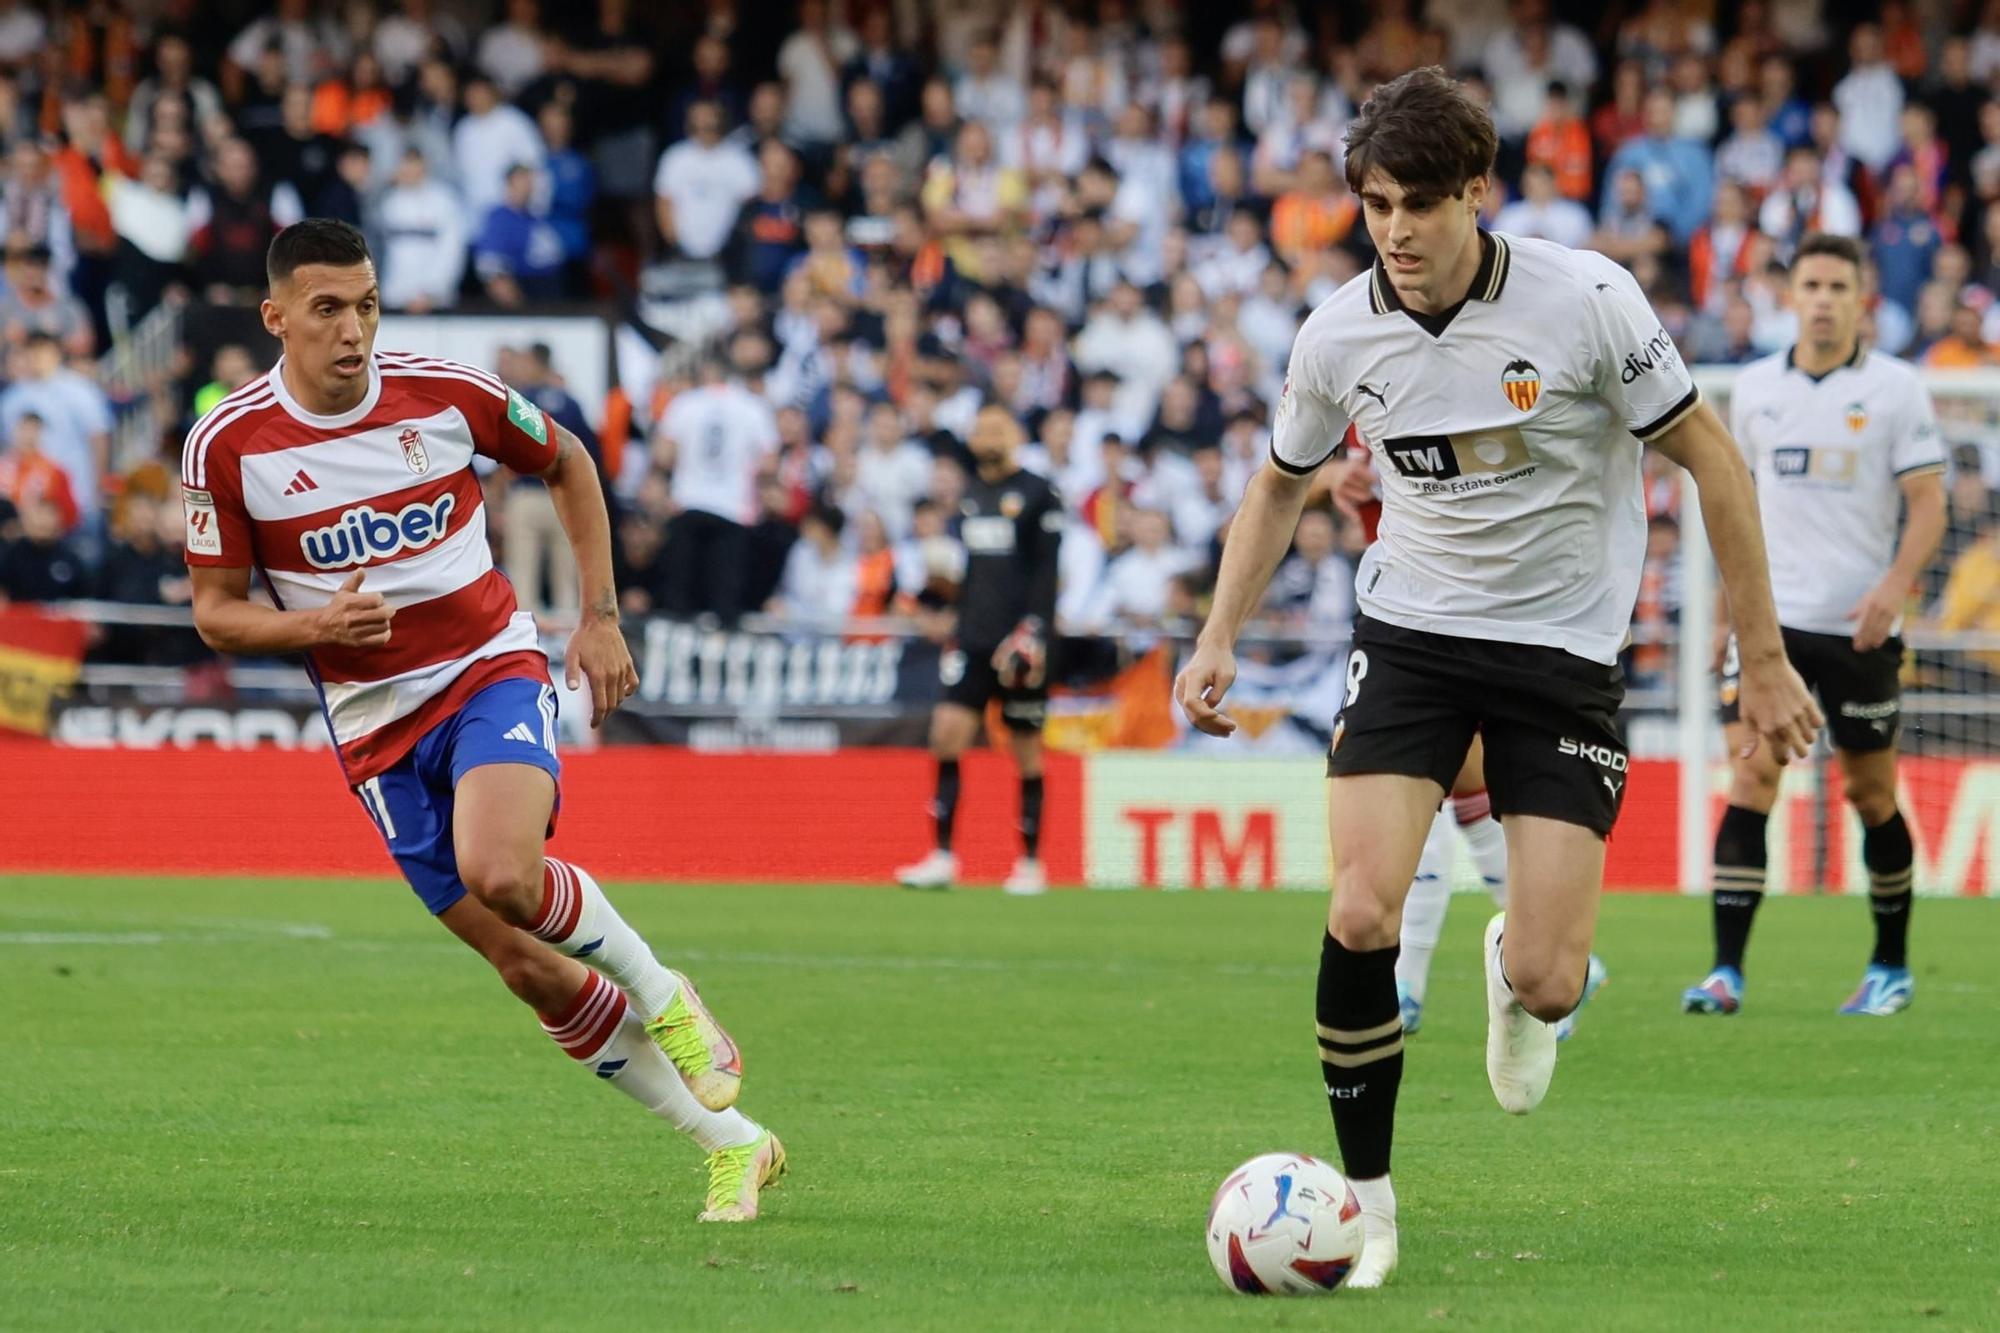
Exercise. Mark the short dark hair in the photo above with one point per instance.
(1423, 132)
(314, 241)
(828, 514)
(1825, 243)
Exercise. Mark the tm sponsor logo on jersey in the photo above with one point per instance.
(364, 533)
(1457, 464)
(1658, 351)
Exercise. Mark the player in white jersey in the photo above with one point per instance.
(1500, 384)
(1840, 439)
(1468, 819)
(345, 464)
(714, 439)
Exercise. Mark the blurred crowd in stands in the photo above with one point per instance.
(1109, 215)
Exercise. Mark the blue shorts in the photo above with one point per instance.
(508, 722)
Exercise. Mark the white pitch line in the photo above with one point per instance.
(824, 962)
(304, 930)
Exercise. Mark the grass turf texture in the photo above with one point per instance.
(300, 1105)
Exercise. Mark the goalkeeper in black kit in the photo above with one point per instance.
(1011, 526)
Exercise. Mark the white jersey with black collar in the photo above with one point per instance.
(1507, 432)
(1830, 453)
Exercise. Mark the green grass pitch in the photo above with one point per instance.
(239, 1104)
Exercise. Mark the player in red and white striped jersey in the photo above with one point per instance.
(344, 479)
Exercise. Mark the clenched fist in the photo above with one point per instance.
(356, 619)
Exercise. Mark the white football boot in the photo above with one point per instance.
(1520, 1048)
(936, 871)
(1027, 879)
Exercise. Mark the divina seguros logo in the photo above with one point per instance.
(363, 533)
(1657, 350)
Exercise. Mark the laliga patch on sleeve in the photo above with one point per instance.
(204, 535)
(527, 416)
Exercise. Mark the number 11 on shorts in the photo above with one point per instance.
(378, 807)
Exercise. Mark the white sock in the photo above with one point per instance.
(1377, 1198)
(1486, 839)
(580, 921)
(600, 1030)
(1424, 910)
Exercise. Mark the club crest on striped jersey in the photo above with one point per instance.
(1857, 417)
(414, 454)
(1522, 383)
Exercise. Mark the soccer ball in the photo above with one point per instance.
(1284, 1222)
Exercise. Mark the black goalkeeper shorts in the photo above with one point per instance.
(970, 681)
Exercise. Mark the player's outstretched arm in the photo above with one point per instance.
(229, 622)
(597, 650)
(1259, 536)
(1773, 701)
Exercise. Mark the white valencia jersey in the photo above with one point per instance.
(307, 500)
(1830, 454)
(1504, 433)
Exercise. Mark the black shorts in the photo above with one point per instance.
(1549, 720)
(1860, 693)
(970, 680)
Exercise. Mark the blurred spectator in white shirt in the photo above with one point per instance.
(809, 62)
(701, 185)
(986, 93)
(404, 41)
(893, 471)
(75, 413)
(490, 140)
(1125, 337)
(511, 53)
(1201, 509)
(1239, 263)
(1314, 585)
(1870, 99)
(1134, 589)
(819, 581)
(424, 238)
(1543, 214)
(1751, 155)
(314, 46)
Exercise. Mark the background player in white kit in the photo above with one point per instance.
(1500, 384)
(1839, 437)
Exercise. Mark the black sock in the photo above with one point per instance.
(1740, 857)
(1031, 815)
(1891, 859)
(945, 808)
(1360, 1052)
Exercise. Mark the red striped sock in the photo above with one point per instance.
(589, 1021)
(1472, 807)
(577, 919)
(562, 903)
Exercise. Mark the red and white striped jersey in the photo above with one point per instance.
(306, 500)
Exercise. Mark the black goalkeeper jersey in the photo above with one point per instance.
(1012, 531)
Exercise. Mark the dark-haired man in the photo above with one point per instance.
(1011, 525)
(344, 464)
(1501, 385)
(1840, 438)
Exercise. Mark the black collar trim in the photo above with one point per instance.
(1488, 281)
(1792, 362)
